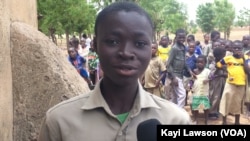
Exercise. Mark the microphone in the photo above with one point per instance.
(147, 130)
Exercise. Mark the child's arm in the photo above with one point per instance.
(157, 83)
(221, 63)
(169, 68)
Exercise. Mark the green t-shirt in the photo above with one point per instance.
(122, 117)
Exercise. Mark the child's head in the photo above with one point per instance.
(222, 42)
(216, 44)
(154, 48)
(228, 45)
(123, 47)
(72, 52)
(215, 35)
(237, 48)
(74, 42)
(164, 41)
(219, 53)
(180, 36)
(190, 38)
(246, 40)
(201, 62)
(191, 47)
(206, 37)
(83, 43)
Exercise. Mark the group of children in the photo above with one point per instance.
(215, 73)
(87, 64)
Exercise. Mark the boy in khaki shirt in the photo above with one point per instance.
(118, 103)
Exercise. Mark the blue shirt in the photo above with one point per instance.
(191, 63)
(78, 63)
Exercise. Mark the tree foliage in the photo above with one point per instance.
(167, 15)
(225, 15)
(205, 17)
(70, 16)
(244, 18)
(65, 16)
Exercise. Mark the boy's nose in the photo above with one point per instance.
(126, 51)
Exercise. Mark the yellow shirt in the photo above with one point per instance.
(163, 52)
(235, 68)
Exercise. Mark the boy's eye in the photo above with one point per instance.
(140, 44)
(112, 42)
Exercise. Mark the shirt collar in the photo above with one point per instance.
(143, 100)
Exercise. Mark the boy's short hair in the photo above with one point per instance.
(120, 6)
(192, 41)
(237, 42)
(217, 52)
(214, 33)
(164, 36)
(180, 31)
(191, 36)
(204, 57)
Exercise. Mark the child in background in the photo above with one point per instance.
(176, 64)
(211, 58)
(92, 63)
(246, 43)
(198, 49)
(234, 90)
(163, 49)
(228, 47)
(154, 73)
(200, 89)
(247, 97)
(217, 82)
(206, 46)
(80, 64)
(191, 63)
(163, 52)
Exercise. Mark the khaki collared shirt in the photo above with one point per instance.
(88, 117)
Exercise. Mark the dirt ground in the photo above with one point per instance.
(244, 119)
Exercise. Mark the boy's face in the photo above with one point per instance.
(72, 53)
(191, 47)
(228, 46)
(200, 63)
(246, 40)
(83, 43)
(123, 44)
(216, 45)
(216, 37)
(237, 49)
(206, 37)
(180, 38)
(154, 49)
(164, 41)
(189, 39)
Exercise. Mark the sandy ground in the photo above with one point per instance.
(244, 119)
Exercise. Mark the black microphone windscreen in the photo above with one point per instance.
(147, 130)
